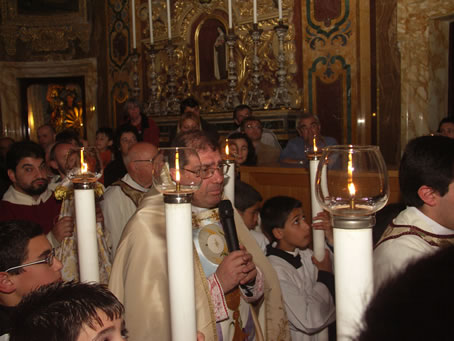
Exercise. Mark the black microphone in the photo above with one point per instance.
(231, 237)
(228, 225)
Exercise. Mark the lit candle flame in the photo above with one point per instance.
(83, 165)
(227, 152)
(315, 144)
(351, 185)
(352, 189)
(177, 168)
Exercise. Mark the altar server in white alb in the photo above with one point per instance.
(426, 178)
(307, 284)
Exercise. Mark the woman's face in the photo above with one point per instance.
(239, 149)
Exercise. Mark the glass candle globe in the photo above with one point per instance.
(176, 171)
(352, 180)
(83, 165)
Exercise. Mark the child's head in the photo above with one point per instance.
(104, 138)
(283, 222)
(242, 149)
(188, 121)
(69, 311)
(247, 202)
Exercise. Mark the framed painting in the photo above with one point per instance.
(211, 52)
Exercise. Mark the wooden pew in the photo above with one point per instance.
(270, 181)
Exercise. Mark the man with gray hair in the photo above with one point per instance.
(308, 126)
(139, 275)
(123, 197)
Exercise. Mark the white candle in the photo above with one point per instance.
(230, 14)
(255, 11)
(318, 236)
(87, 245)
(279, 6)
(181, 271)
(150, 19)
(169, 21)
(229, 186)
(133, 13)
(354, 278)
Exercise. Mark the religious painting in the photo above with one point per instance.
(47, 7)
(211, 51)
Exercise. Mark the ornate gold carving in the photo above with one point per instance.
(45, 33)
(186, 14)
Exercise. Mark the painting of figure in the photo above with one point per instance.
(212, 51)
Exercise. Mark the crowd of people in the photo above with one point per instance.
(273, 288)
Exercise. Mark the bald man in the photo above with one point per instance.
(123, 197)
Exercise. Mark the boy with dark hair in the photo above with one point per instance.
(247, 203)
(26, 262)
(104, 142)
(426, 176)
(307, 284)
(69, 311)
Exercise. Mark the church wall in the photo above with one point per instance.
(421, 35)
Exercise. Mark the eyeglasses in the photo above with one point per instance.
(206, 173)
(49, 260)
(250, 126)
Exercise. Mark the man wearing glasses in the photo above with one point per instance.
(26, 262)
(266, 154)
(307, 125)
(139, 275)
(122, 198)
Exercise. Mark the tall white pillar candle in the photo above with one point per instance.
(354, 278)
(169, 21)
(229, 186)
(318, 236)
(279, 6)
(133, 14)
(150, 20)
(180, 261)
(87, 245)
(255, 11)
(230, 14)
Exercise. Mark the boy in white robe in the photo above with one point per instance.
(307, 284)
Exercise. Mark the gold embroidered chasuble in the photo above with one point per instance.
(139, 279)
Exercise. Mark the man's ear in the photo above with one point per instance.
(53, 164)
(12, 175)
(278, 233)
(7, 286)
(110, 143)
(428, 195)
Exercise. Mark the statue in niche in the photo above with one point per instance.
(212, 51)
(220, 56)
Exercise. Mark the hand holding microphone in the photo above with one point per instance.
(237, 261)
